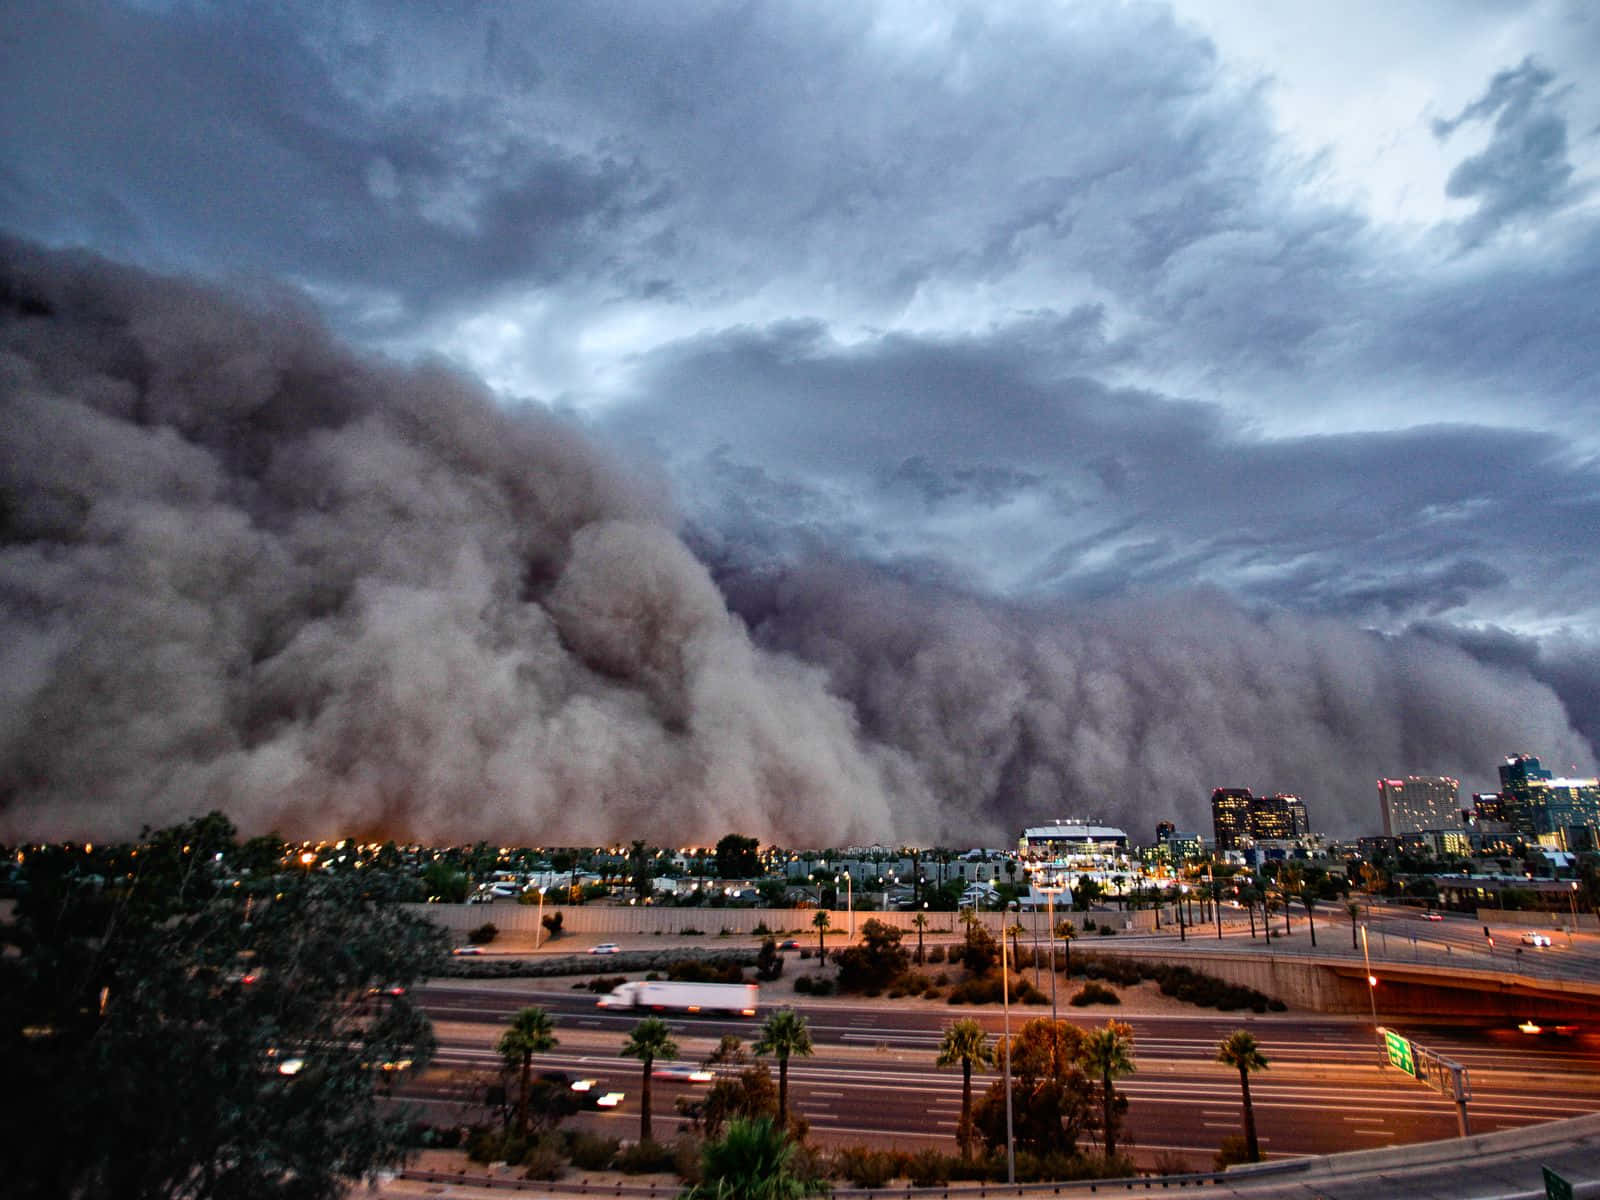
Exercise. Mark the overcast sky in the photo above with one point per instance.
(1047, 303)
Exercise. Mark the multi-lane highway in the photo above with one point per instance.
(872, 1077)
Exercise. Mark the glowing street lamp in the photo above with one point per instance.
(1372, 990)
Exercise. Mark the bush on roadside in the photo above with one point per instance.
(645, 1158)
(606, 983)
(591, 1152)
(483, 934)
(1094, 993)
(864, 1167)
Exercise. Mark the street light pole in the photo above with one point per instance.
(1005, 1000)
(538, 929)
(1372, 993)
(1216, 901)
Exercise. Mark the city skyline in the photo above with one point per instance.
(869, 418)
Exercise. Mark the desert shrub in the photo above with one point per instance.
(1093, 993)
(591, 1152)
(864, 1167)
(543, 1160)
(483, 934)
(645, 1158)
(936, 954)
(761, 929)
(927, 1168)
(822, 987)
(1233, 1150)
(1170, 1162)
(652, 976)
(690, 931)
(1105, 931)
(606, 983)
(802, 984)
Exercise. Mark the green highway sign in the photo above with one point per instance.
(1555, 1187)
(1399, 1050)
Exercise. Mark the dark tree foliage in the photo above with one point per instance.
(979, 951)
(876, 962)
(769, 963)
(201, 1030)
(1052, 1099)
(737, 858)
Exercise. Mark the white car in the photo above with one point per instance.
(606, 948)
(1535, 939)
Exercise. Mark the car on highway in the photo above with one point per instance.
(1536, 939)
(609, 1100)
(1431, 916)
(467, 950)
(606, 948)
(684, 1072)
(789, 944)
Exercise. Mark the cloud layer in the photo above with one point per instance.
(1041, 314)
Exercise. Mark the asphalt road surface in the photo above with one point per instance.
(872, 1079)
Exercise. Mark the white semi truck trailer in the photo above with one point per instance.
(737, 999)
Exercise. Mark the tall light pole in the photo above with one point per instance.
(1216, 901)
(1005, 1001)
(1050, 909)
(849, 901)
(1372, 993)
(538, 930)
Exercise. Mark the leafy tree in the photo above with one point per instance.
(1239, 1050)
(784, 1034)
(822, 922)
(651, 1039)
(441, 880)
(979, 950)
(640, 859)
(769, 963)
(1108, 1055)
(965, 1042)
(204, 1039)
(737, 858)
(1050, 1094)
(531, 1032)
(876, 961)
(1086, 891)
(754, 1160)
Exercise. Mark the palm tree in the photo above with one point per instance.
(921, 923)
(1354, 910)
(530, 1033)
(1108, 1053)
(822, 921)
(965, 1042)
(650, 1040)
(784, 1034)
(1308, 897)
(1066, 931)
(1016, 930)
(1239, 1050)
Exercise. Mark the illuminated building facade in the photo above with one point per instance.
(1562, 813)
(1230, 817)
(1419, 802)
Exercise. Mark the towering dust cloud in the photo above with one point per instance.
(242, 568)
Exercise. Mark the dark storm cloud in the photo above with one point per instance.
(1524, 169)
(249, 140)
(1099, 489)
(243, 569)
(1134, 710)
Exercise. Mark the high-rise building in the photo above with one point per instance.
(1561, 812)
(1230, 816)
(1272, 818)
(1164, 831)
(1419, 802)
